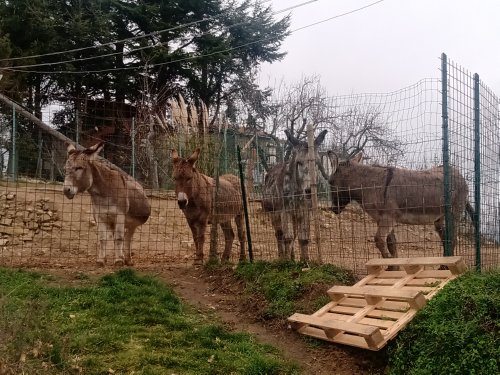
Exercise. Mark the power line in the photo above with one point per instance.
(200, 56)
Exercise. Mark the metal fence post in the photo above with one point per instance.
(477, 173)
(77, 138)
(14, 151)
(448, 229)
(133, 147)
(245, 205)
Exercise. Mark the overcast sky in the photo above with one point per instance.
(388, 46)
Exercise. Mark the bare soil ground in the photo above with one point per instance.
(222, 295)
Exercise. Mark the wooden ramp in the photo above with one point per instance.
(371, 312)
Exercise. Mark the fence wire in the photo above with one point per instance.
(401, 129)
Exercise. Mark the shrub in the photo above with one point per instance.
(458, 332)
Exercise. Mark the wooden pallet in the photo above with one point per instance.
(371, 312)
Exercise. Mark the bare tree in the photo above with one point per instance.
(357, 129)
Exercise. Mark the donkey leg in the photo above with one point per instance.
(105, 236)
(391, 244)
(200, 229)
(439, 227)
(381, 237)
(119, 238)
(241, 236)
(303, 228)
(129, 233)
(288, 234)
(229, 238)
(278, 233)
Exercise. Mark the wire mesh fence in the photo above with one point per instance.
(401, 129)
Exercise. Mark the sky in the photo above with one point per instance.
(388, 46)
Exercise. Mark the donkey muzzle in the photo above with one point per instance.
(182, 200)
(68, 192)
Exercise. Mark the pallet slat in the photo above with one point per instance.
(454, 263)
(332, 328)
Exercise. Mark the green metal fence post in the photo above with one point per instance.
(448, 230)
(477, 173)
(133, 147)
(77, 138)
(14, 151)
(245, 206)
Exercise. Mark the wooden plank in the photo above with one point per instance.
(345, 339)
(363, 320)
(427, 282)
(422, 261)
(374, 291)
(382, 282)
(376, 313)
(338, 325)
(386, 305)
(424, 273)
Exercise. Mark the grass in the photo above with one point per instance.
(283, 285)
(458, 331)
(123, 323)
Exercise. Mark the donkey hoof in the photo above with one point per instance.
(198, 261)
(129, 262)
(119, 262)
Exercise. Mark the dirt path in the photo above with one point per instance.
(210, 294)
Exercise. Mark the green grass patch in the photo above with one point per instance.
(123, 323)
(284, 285)
(458, 332)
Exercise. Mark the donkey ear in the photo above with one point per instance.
(358, 157)
(174, 155)
(192, 159)
(70, 147)
(94, 150)
(320, 138)
(334, 160)
(294, 141)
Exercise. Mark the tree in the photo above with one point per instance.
(359, 129)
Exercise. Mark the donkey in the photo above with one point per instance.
(286, 195)
(119, 204)
(195, 197)
(395, 195)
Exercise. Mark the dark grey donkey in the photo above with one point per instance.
(286, 196)
(395, 195)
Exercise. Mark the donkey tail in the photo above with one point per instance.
(470, 211)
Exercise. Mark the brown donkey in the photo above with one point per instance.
(195, 193)
(119, 204)
(396, 195)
